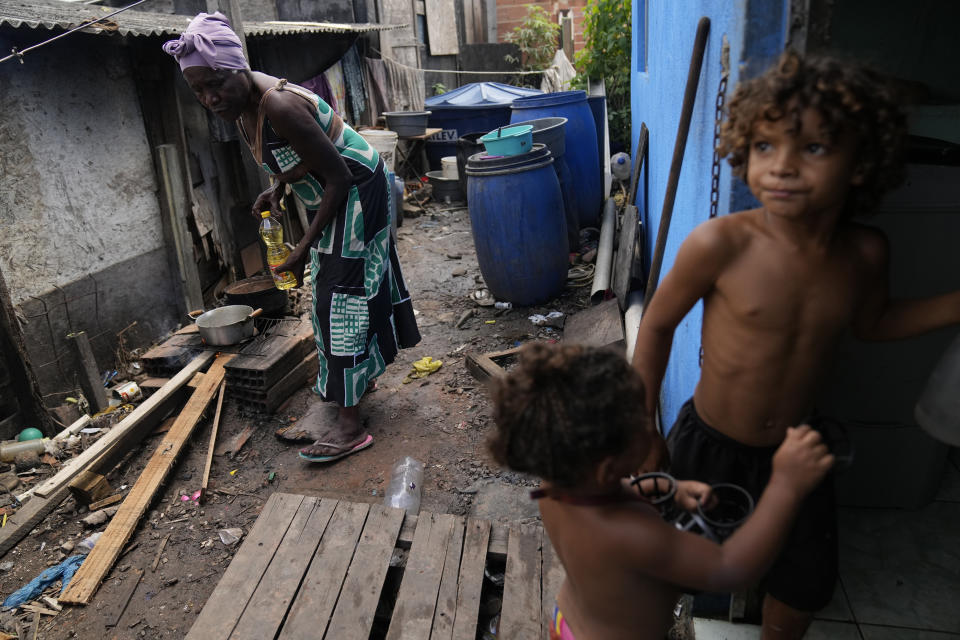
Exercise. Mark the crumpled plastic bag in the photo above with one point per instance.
(552, 319)
(422, 368)
(33, 589)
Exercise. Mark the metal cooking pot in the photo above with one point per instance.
(226, 325)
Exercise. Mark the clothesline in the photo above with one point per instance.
(479, 73)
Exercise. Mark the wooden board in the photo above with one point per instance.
(413, 612)
(520, 617)
(496, 545)
(446, 611)
(552, 578)
(117, 433)
(483, 366)
(623, 261)
(472, 563)
(227, 602)
(597, 326)
(276, 590)
(442, 28)
(353, 616)
(118, 532)
(321, 586)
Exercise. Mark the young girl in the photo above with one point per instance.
(568, 414)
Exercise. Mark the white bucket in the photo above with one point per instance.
(449, 167)
(385, 142)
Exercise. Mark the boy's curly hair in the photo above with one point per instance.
(563, 409)
(848, 97)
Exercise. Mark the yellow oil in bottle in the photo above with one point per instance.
(277, 252)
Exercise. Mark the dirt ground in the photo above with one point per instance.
(442, 420)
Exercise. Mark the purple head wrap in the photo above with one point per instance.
(208, 42)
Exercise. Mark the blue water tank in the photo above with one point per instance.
(580, 141)
(518, 223)
(478, 106)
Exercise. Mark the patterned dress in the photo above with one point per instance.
(362, 313)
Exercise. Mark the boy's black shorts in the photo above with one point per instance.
(805, 573)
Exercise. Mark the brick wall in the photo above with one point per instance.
(510, 13)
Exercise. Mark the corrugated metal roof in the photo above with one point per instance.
(55, 14)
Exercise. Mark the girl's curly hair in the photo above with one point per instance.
(563, 409)
(848, 97)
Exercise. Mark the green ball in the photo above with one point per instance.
(30, 433)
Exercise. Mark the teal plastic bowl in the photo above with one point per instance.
(509, 141)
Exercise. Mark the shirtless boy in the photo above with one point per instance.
(568, 415)
(817, 142)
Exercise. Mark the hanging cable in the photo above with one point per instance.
(19, 54)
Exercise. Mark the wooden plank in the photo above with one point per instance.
(597, 326)
(520, 617)
(624, 258)
(106, 502)
(111, 543)
(472, 564)
(413, 612)
(276, 590)
(321, 586)
(205, 480)
(442, 28)
(117, 433)
(89, 487)
(353, 616)
(553, 577)
(483, 366)
(89, 373)
(27, 517)
(446, 610)
(496, 549)
(228, 600)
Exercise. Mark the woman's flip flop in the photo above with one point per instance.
(363, 445)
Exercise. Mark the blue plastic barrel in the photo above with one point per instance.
(478, 106)
(552, 132)
(519, 229)
(581, 145)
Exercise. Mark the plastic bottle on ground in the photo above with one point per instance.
(272, 233)
(403, 491)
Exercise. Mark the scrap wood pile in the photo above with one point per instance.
(81, 457)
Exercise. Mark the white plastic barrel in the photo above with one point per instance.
(385, 142)
(449, 166)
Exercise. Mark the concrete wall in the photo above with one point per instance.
(82, 244)
(663, 35)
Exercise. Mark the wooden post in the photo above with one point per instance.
(231, 9)
(175, 204)
(566, 36)
(90, 380)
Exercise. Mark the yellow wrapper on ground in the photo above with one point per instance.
(422, 368)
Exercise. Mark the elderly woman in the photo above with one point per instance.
(362, 314)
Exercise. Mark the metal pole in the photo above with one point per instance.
(601, 276)
(686, 114)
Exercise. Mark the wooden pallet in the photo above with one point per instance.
(318, 568)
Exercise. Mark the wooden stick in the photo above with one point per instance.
(125, 599)
(156, 559)
(213, 442)
(78, 464)
(118, 532)
(106, 502)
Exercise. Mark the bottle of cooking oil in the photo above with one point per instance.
(277, 252)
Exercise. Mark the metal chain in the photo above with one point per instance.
(718, 121)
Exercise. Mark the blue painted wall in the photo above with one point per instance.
(662, 44)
